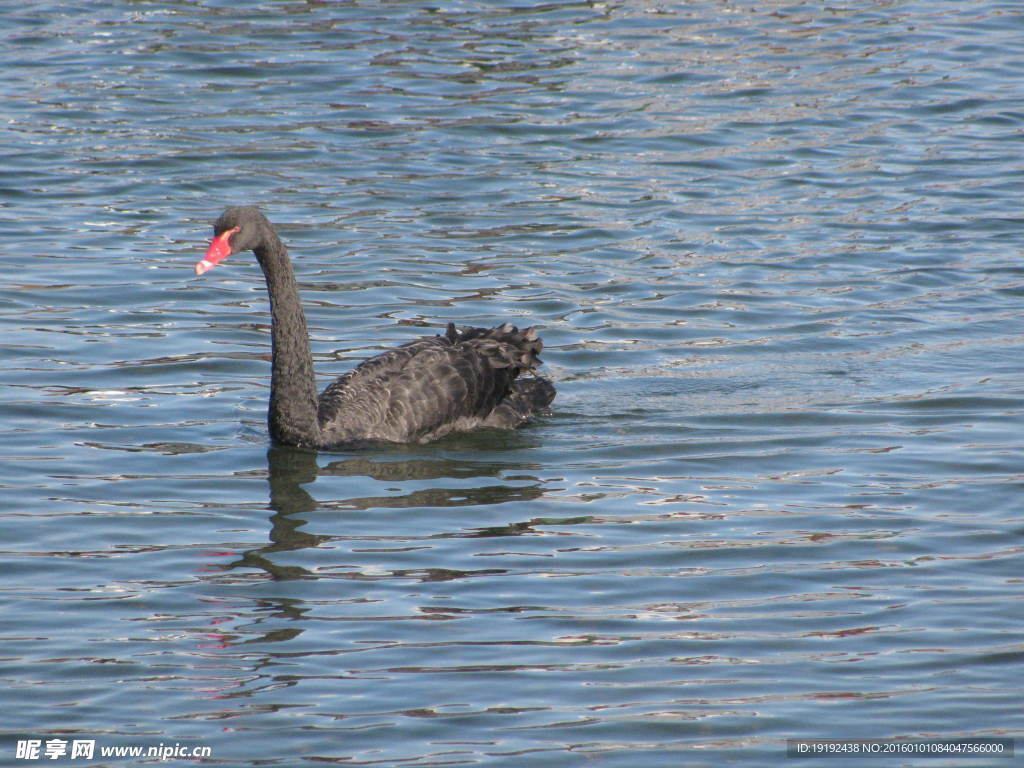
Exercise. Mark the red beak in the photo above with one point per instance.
(220, 249)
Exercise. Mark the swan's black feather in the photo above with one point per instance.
(436, 385)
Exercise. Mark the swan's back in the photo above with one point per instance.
(436, 385)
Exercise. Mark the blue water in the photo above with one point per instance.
(775, 253)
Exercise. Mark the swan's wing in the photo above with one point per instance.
(432, 386)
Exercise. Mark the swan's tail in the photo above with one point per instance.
(528, 396)
(509, 352)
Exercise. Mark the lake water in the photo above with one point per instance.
(775, 253)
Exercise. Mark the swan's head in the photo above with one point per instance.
(240, 228)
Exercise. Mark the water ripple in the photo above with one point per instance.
(774, 255)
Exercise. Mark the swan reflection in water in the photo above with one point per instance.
(291, 472)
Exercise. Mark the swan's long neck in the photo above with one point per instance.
(292, 416)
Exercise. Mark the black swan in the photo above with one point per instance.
(421, 391)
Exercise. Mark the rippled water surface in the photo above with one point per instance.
(775, 253)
